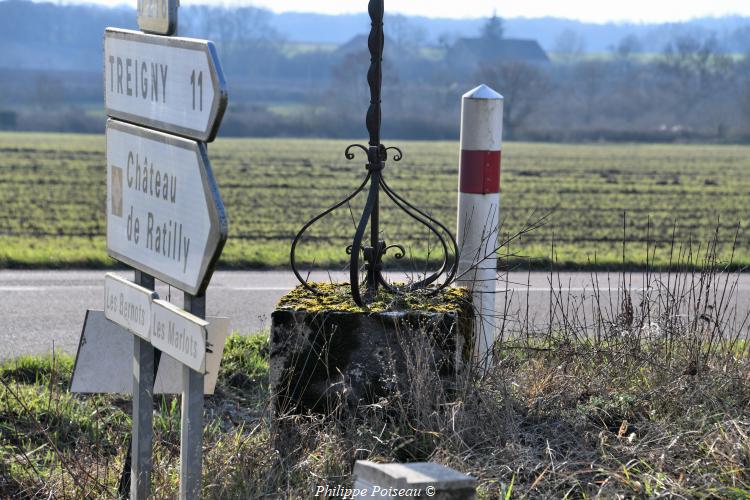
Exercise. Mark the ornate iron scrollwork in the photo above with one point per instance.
(377, 156)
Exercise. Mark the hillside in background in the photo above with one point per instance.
(48, 35)
(552, 33)
(304, 74)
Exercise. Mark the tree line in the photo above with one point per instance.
(691, 89)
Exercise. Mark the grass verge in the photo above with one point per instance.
(650, 399)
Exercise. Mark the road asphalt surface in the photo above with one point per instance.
(40, 310)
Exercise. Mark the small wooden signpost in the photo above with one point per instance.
(165, 218)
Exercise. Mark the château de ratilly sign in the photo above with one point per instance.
(164, 213)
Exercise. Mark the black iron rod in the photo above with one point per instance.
(374, 264)
(292, 254)
(357, 245)
(375, 43)
(377, 156)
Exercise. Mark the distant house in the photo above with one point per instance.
(464, 54)
(500, 49)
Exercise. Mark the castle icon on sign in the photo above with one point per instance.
(116, 191)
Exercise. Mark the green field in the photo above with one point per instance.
(52, 197)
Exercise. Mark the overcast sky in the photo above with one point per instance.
(586, 10)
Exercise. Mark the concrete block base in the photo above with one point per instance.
(327, 361)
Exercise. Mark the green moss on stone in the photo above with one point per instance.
(337, 297)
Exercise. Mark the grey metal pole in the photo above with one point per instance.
(144, 375)
(191, 426)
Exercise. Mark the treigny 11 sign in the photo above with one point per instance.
(165, 216)
(171, 84)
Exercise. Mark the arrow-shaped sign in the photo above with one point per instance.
(179, 334)
(128, 305)
(167, 83)
(164, 212)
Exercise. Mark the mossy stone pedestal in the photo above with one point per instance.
(328, 355)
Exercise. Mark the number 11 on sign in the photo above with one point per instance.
(199, 83)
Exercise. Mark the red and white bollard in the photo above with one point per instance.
(479, 208)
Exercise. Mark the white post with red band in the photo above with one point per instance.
(479, 207)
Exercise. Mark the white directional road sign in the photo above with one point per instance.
(128, 305)
(165, 216)
(179, 334)
(167, 83)
(158, 16)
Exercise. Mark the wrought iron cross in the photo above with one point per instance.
(377, 156)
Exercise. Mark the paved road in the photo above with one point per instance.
(42, 309)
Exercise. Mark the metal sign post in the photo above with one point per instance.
(144, 374)
(166, 219)
(191, 423)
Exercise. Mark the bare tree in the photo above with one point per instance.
(628, 46)
(569, 45)
(746, 102)
(349, 92)
(590, 76)
(524, 87)
(694, 68)
(404, 33)
(241, 34)
(50, 92)
(740, 39)
(447, 40)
